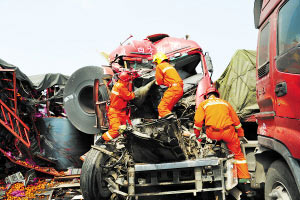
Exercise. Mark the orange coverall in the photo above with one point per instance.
(221, 121)
(167, 75)
(120, 95)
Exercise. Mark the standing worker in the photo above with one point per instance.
(167, 75)
(120, 96)
(222, 123)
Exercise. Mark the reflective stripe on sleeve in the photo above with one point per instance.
(108, 135)
(238, 126)
(214, 103)
(167, 68)
(240, 161)
(114, 92)
(196, 127)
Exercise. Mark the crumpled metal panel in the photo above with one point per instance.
(63, 142)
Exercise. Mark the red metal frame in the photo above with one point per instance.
(14, 98)
(15, 125)
(47, 170)
(9, 116)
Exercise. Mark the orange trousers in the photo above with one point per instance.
(230, 137)
(170, 98)
(116, 118)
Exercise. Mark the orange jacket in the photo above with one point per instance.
(218, 114)
(166, 75)
(120, 95)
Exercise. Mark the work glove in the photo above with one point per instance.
(100, 141)
(197, 135)
(122, 128)
(243, 140)
(197, 132)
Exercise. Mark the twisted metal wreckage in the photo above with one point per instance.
(151, 156)
(175, 164)
(31, 117)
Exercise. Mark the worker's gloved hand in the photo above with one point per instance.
(197, 132)
(192, 136)
(243, 140)
(100, 141)
(122, 128)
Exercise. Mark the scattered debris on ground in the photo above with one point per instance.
(29, 186)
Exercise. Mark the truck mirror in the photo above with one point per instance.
(209, 64)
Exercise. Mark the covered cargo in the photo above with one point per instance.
(33, 122)
(237, 84)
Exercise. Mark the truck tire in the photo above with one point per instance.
(91, 183)
(280, 183)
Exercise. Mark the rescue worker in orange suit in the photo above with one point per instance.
(222, 123)
(120, 96)
(167, 75)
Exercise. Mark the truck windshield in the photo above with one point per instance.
(288, 38)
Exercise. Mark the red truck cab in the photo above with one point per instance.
(278, 92)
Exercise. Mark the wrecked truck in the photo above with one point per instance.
(151, 156)
(34, 131)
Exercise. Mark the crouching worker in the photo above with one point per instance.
(119, 98)
(222, 123)
(167, 75)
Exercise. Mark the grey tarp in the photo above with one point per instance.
(19, 74)
(237, 83)
(37, 82)
(44, 81)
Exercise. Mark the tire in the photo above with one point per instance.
(280, 180)
(91, 184)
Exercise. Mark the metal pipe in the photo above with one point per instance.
(131, 183)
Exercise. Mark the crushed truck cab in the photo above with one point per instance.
(157, 163)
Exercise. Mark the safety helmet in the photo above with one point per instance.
(124, 76)
(159, 57)
(211, 90)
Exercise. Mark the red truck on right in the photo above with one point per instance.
(278, 91)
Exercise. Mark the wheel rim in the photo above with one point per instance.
(280, 192)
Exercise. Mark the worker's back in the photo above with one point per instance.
(217, 112)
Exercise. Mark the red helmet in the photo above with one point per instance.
(124, 76)
(211, 90)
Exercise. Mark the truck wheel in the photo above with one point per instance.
(91, 183)
(280, 183)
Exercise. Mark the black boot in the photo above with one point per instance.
(248, 193)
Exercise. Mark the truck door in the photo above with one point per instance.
(287, 61)
(264, 84)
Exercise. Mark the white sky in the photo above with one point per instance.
(61, 36)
